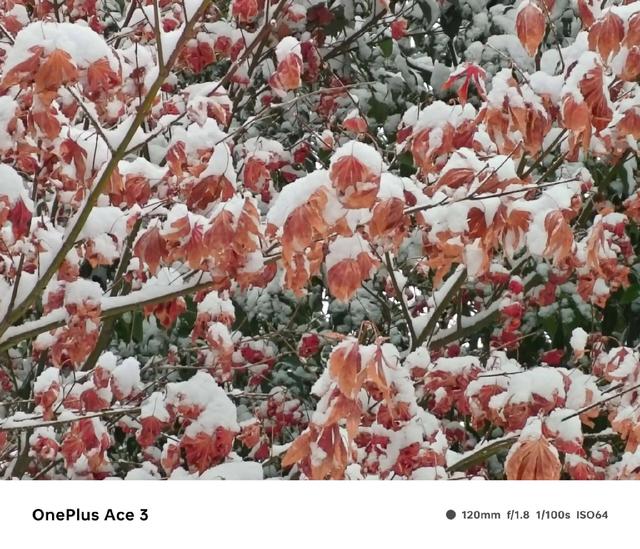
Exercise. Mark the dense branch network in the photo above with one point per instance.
(378, 239)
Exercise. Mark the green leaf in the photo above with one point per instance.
(324, 155)
(378, 111)
(407, 167)
(119, 435)
(550, 324)
(630, 294)
(137, 332)
(610, 319)
(132, 446)
(386, 47)
(123, 329)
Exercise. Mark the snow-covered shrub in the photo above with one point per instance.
(308, 239)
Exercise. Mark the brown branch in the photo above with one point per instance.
(483, 454)
(78, 224)
(476, 458)
(106, 331)
(440, 307)
(158, 33)
(405, 310)
(343, 46)
(601, 402)
(94, 122)
(102, 413)
(107, 313)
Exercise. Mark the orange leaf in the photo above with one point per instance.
(335, 461)
(386, 216)
(477, 222)
(605, 35)
(533, 460)
(593, 88)
(344, 366)
(101, 77)
(46, 120)
(577, 118)
(631, 69)
(356, 184)
(530, 27)
(194, 249)
(28, 67)
(58, 69)
(289, 71)
(247, 230)
(298, 450)
(456, 177)
(575, 114)
(375, 375)
(71, 151)
(304, 224)
(151, 248)
(516, 224)
(595, 243)
(559, 236)
(347, 409)
(255, 174)
(344, 279)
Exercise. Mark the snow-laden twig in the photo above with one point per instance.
(477, 198)
(94, 123)
(403, 304)
(490, 448)
(602, 401)
(111, 306)
(466, 326)
(441, 298)
(11, 424)
(481, 454)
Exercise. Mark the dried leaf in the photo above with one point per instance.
(298, 450)
(356, 184)
(57, 69)
(559, 236)
(606, 34)
(344, 366)
(151, 248)
(530, 27)
(533, 460)
(101, 77)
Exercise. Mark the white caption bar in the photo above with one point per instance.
(311, 515)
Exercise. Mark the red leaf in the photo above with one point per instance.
(244, 10)
(344, 366)
(101, 77)
(399, 28)
(533, 460)
(20, 217)
(357, 185)
(530, 27)
(288, 75)
(151, 248)
(58, 69)
(605, 35)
